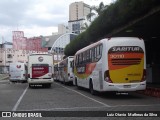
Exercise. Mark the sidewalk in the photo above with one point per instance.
(4, 76)
(151, 90)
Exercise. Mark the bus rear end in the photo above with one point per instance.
(126, 65)
(40, 70)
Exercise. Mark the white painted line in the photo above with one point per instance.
(86, 96)
(80, 108)
(19, 100)
(72, 108)
(4, 80)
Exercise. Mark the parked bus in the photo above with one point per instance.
(18, 72)
(40, 69)
(65, 69)
(56, 71)
(112, 64)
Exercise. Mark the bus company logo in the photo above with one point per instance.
(126, 49)
(39, 68)
(40, 59)
(18, 66)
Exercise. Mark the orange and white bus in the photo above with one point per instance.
(65, 70)
(112, 64)
(56, 72)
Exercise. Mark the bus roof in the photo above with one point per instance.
(105, 39)
(33, 54)
(89, 46)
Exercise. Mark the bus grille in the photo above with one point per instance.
(126, 61)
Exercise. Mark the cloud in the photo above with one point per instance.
(12, 11)
(31, 12)
(35, 17)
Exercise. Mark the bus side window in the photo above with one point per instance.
(66, 63)
(95, 54)
(98, 52)
(77, 60)
(84, 58)
(70, 63)
(80, 59)
(87, 56)
(90, 55)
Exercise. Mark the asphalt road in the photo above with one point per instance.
(19, 97)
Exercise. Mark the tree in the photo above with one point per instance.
(98, 9)
(85, 26)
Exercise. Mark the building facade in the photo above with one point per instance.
(62, 29)
(22, 43)
(10, 55)
(77, 17)
(57, 43)
(19, 50)
(78, 10)
(76, 26)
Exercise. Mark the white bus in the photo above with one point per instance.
(40, 69)
(56, 72)
(112, 64)
(18, 72)
(65, 69)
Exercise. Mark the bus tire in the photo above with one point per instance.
(64, 82)
(76, 82)
(92, 91)
(30, 86)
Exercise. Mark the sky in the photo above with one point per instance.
(35, 17)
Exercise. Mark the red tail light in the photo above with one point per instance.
(107, 77)
(144, 75)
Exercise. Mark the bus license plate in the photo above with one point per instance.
(127, 86)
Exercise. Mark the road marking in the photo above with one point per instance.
(86, 96)
(72, 108)
(80, 108)
(4, 80)
(19, 100)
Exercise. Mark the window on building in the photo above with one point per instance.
(9, 55)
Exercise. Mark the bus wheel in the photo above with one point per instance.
(75, 82)
(30, 86)
(64, 82)
(92, 91)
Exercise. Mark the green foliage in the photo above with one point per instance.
(116, 15)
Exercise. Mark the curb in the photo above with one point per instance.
(154, 92)
(4, 76)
